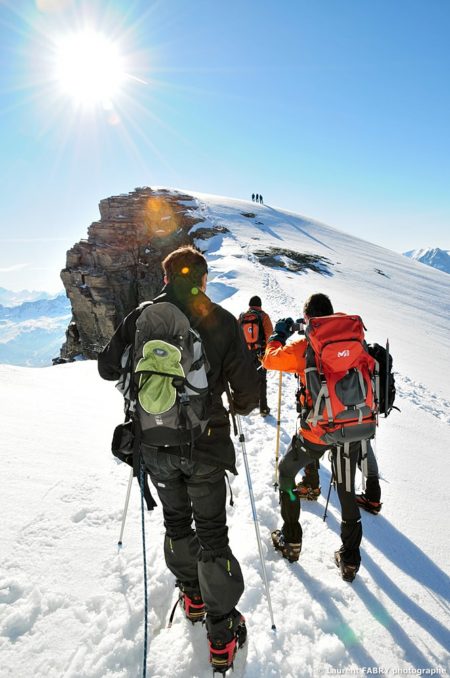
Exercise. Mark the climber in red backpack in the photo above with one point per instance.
(338, 412)
(257, 328)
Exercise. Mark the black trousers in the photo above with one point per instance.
(297, 456)
(196, 549)
(262, 373)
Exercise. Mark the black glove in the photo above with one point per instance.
(283, 330)
(243, 410)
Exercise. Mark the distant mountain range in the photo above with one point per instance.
(432, 256)
(32, 332)
(11, 298)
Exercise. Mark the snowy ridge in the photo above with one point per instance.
(71, 605)
(431, 256)
(391, 293)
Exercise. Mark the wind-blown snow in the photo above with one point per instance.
(71, 605)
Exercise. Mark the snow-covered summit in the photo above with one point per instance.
(253, 249)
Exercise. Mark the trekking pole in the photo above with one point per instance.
(255, 518)
(125, 509)
(329, 491)
(142, 486)
(277, 446)
(237, 427)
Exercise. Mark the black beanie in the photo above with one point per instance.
(255, 301)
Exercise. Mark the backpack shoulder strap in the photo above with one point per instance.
(259, 315)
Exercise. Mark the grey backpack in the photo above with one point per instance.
(169, 392)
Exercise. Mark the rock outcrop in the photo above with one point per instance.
(119, 265)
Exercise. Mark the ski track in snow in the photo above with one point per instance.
(422, 397)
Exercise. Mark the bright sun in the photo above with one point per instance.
(89, 68)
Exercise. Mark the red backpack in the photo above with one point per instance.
(340, 380)
(252, 326)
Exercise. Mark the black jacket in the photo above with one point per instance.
(229, 361)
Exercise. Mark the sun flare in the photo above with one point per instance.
(89, 68)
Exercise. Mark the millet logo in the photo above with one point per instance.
(343, 354)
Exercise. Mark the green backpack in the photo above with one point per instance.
(169, 392)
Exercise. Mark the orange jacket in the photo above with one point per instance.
(289, 358)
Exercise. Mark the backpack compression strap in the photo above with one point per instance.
(323, 394)
(344, 451)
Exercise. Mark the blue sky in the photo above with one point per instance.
(335, 109)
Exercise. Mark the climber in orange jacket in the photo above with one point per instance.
(305, 448)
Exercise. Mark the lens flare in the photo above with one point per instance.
(161, 220)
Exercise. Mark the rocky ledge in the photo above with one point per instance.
(119, 264)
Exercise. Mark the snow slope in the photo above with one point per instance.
(71, 605)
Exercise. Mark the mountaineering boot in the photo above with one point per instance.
(290, 551)
(226, 634)
(193, 606)
(264, 411)
(370, 499)
(191, 601)
(370, 506)
(309, 487)
(348, 570)
(305, 491)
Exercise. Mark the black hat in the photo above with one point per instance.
(255, 301)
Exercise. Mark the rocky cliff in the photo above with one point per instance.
(119, 265)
